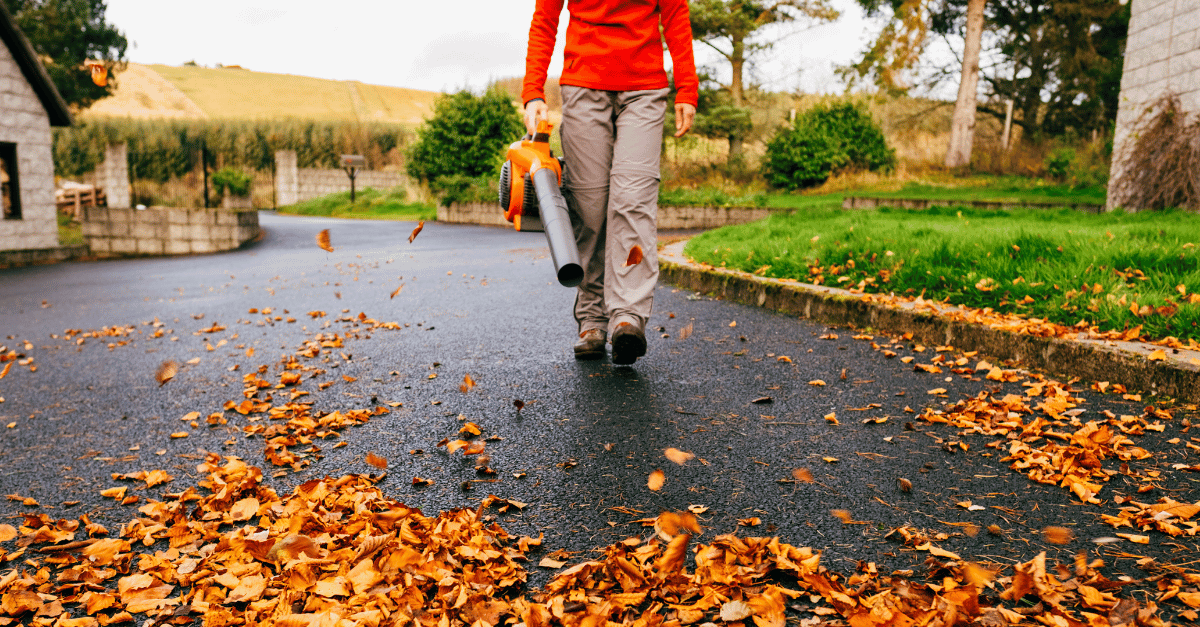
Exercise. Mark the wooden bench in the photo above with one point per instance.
(71, 201)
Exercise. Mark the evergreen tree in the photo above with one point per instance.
(67, 34)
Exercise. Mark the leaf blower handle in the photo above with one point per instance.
(559, 235)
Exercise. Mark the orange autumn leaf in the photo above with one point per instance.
(467, 384)
(377, 461)
(323, 241)
(397, 292)
(1057, 535)
(416, 231)
(166, 371)
(7, 367)
(750, 522)
(678, 456)
(635, 256)
(99, 73)
(656, 480)
(803, 475)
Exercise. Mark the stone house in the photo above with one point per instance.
(1162, 55)
(29, 106)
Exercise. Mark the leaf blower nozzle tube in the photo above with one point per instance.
(559, 234)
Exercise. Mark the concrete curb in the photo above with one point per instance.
(1125, 363)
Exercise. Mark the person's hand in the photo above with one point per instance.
(685, 114)
(535, 110)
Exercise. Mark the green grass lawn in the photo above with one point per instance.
(1061, 265)
(368, 204)
(70, 233)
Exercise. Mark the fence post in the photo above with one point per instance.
(114, 175)
(287, 178)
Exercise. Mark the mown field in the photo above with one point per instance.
(197, 93)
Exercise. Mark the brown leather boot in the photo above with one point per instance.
(591, 344)
(629, 343)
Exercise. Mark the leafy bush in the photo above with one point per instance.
(823, 139)
(720, 122)
(459, 188)
(232, 181)
(466, 136)
(1058, 163)
(801, 157)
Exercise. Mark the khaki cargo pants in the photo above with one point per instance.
(611, 142)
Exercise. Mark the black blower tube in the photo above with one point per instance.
(557, 223)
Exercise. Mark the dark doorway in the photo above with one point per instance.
(10, 186)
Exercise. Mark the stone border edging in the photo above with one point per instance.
(39, 256)
(1091, 360)
(872, 202)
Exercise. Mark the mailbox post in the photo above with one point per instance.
(352, 164)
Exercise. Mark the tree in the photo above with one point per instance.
(67, 34)
(466, 136)
(1059, 61)
(962, 127)
(728, 26)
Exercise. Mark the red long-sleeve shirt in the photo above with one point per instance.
(613, 45)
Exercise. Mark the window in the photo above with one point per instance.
(10, 187)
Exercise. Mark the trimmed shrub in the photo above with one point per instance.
(463, 189)
(802, 157)
(823, 139)
(232, 181)
(466, 136)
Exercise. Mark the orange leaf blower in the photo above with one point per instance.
(531, 198)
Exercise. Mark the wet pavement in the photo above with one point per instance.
(481, 302)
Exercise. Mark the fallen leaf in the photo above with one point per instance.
(733, 323)
(519, 404)
(686, 332)
(762, 400)
(244, 509)
(397, 292)
(7, 367)
(179, 434)
(7, 532)
(1136, 539)
(803, 475)
(416, 231)
(831, 418)
(735, 610)
(656, 480)
(830, 460)
(323, 241)
(548, 562)
(635, 256)
(467, 384)
(841, 515)
(905, 485)
(166, 371)
(1157, 355)
(817, 382)
(678, 456)
(377, 461)
(1058, 535)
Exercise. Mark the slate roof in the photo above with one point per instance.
(33, 69)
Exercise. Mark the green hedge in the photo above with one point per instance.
(163, 149)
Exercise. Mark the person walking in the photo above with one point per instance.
(614, 92)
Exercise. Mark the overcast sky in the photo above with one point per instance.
(423, 44)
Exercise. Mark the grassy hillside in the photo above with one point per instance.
(154, 91)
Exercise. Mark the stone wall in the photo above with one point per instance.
(1162, 55)
(669, 218)
(112, 231)
(294, 184)
(23, 121)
